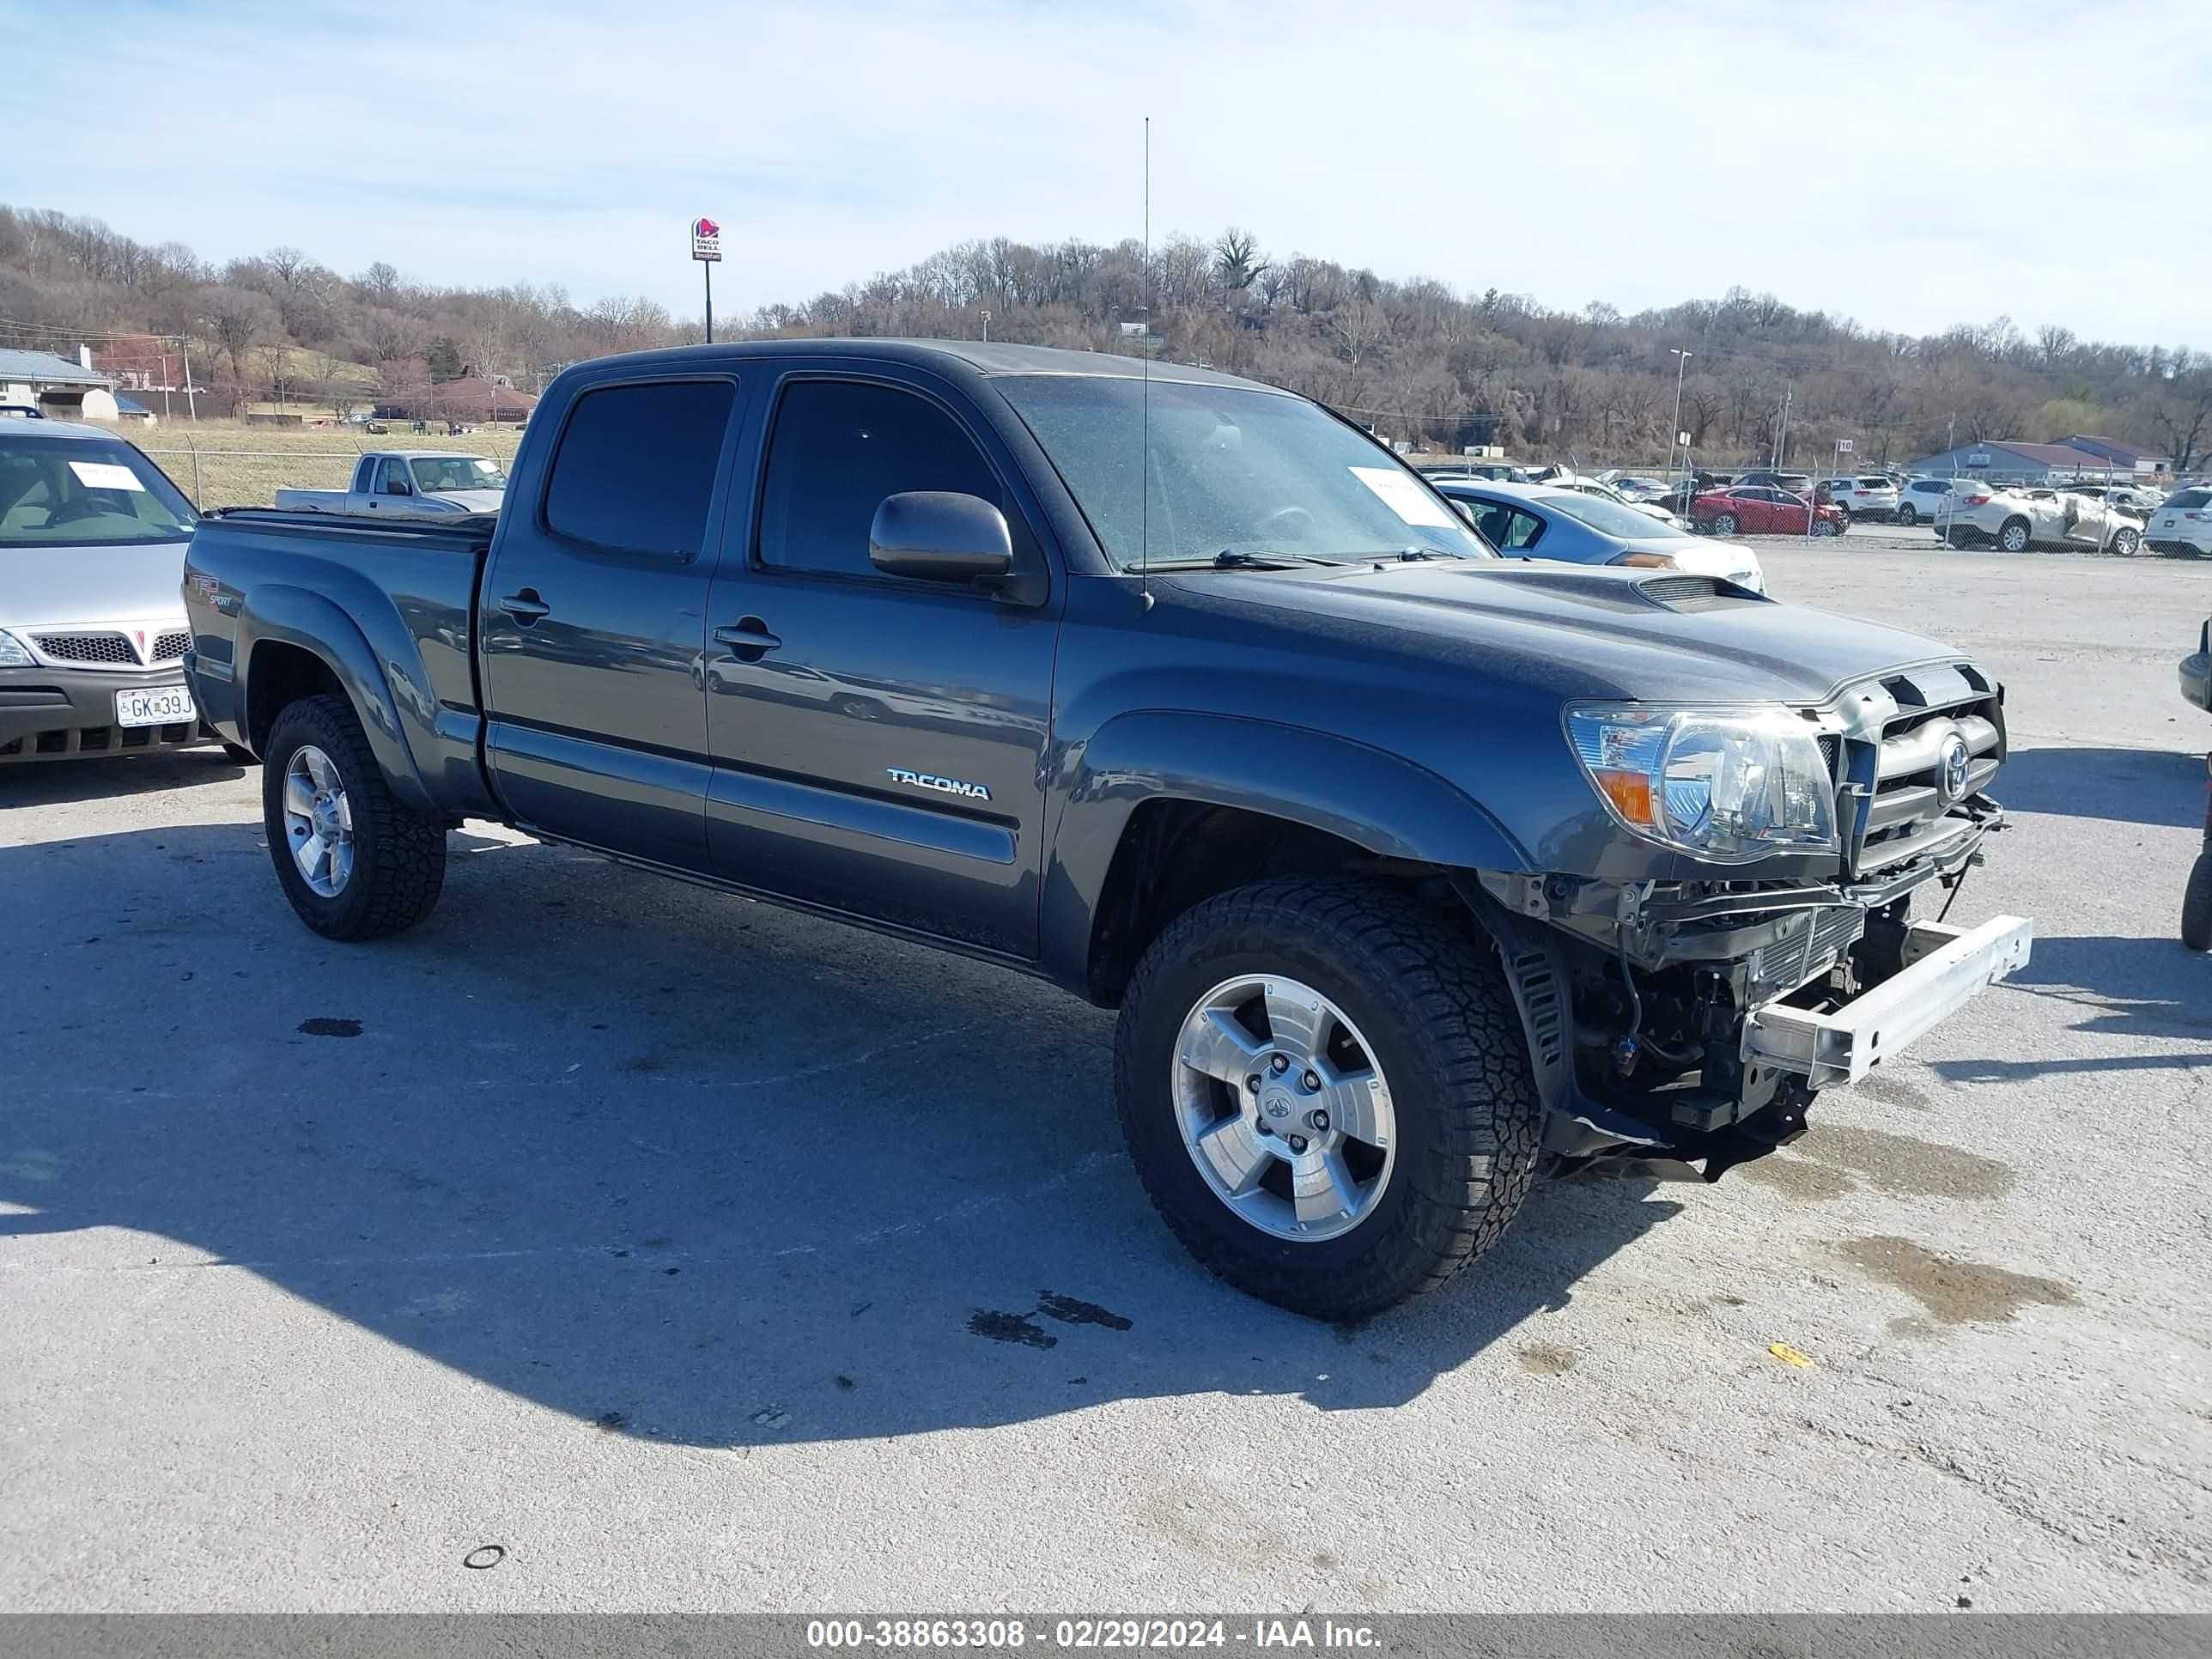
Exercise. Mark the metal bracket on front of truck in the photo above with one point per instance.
(1944, 967)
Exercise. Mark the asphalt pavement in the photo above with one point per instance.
(697, 1255)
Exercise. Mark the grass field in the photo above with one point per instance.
(231, 464)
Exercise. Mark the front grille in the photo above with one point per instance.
(110, 649)
(172, 646)
(1905, 784)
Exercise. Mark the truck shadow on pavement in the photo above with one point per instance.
(683, 1168)
(2129, 786)
(2135, 990)
(64, 782)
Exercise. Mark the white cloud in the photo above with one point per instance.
(1909, 166)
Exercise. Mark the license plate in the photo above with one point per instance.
(155, 705)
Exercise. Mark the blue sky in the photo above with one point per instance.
(1911, 166)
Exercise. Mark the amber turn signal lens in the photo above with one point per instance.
(1630, 793)
(1647, 561)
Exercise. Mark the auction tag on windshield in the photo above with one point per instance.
(105, 475)
(1402, 495)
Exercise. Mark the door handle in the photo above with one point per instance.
(750, 641)
(525, 607)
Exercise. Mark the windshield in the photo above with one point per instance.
(1609, 518)
(1230, 472)
(434, 473)
(55, 492)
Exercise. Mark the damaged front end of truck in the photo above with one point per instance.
(1695, 1018)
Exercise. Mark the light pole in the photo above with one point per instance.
(986, 327)
(1674, 432)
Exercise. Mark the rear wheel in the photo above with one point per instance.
(2127, 541)
(2014, 536)
(1326, 1093)
(355, 861)
(2196, 905)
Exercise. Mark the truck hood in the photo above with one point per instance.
(1590, 632)
(52, 585)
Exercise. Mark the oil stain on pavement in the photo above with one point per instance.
(1833, 1158)
(1954, 1292)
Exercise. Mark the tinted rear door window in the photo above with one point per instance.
(637, 467)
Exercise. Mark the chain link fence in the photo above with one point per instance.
(225, 476)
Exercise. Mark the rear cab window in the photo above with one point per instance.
(637, 466)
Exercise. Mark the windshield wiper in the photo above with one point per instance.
(1230, 558)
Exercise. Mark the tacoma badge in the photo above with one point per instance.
(943, 786)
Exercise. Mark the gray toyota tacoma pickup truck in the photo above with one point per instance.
(1414, 871)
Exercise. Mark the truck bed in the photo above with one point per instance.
(404, 589)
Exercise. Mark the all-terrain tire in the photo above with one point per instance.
(399, 854)
(2196, 905)
(1435, 1009)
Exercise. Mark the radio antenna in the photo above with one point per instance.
(1144, 345)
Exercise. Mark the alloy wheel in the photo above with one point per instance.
(1284, 1108)
(319, 821)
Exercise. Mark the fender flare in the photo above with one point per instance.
(285, 615)
(1381, 802)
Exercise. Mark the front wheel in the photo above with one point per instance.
(1725, 525)
(1908, 514)
(1327, 1092)
(2196, 905)
(1827, 527)
(355, 861)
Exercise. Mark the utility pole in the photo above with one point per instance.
(191, 398)
(986, 327)
(1782, 432)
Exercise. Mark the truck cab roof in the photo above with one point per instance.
(987, 359)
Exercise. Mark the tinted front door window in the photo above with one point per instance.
(842, 446)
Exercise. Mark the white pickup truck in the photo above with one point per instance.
(412, 483)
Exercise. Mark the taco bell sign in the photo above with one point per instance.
(706, 239)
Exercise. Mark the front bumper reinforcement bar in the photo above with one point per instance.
(1946, 968)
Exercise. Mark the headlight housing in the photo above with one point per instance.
(12, 653)
(1728, 785)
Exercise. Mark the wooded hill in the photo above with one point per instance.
(1415, 358)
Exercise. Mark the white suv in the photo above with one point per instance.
(1921, 500)
(1869, 497)
(2017, 520)
(2181, 527)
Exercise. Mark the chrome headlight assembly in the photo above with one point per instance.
(1729, 785)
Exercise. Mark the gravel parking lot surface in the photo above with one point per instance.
(702, 1256)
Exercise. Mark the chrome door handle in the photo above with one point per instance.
(750, 640)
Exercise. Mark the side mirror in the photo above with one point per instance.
(940, 535)
(1466, 512)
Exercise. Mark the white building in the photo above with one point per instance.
(55, 386)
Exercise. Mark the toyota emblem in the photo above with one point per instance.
(1951, 773)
